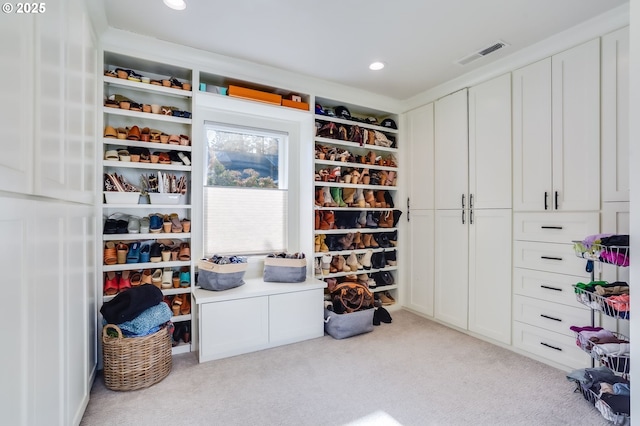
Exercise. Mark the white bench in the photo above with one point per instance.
(258, 315)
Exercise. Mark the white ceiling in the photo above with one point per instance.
(335, 40)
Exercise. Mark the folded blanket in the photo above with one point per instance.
(149, 321)
(131, 303)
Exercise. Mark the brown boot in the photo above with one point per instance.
(369, 198)
(380, 201)
(347, 196)
(357, 241)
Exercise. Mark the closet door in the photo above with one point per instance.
(490, 144)
(532, 136)
(576, 128)
(421, 250)
(420, 128)
(452, 266)
(451, 151)
(490, 273)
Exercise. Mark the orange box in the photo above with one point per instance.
(294, 104)
(254, 95)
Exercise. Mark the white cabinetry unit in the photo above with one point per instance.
(615, 116)
(557, 133)
(473, 229)
(147, 138)
(258, 315)
(420, 139)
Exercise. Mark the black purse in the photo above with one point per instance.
(383, 278)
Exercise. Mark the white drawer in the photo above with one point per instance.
(554, 227)
(552, 346)
(548, 315)
(547, 286)
(550, 257)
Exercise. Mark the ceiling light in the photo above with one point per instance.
(175, 4)
(375, 66)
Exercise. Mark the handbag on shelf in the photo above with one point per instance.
(384, 278)
(350, 296)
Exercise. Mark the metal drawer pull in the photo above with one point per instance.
(550, 258)
(551, 318)
(551, 227)
(552, 347)
(546, 206)
(550, 288)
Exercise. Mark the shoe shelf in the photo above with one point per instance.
(350, 185)
(354, 230)
(328, 118)
(139, 236)
(165, 292)
(359, 271)
(146, 115)
(148, 166)
(182, 348)
(356, 251)
(350, 144)
(354, 165)
(141, 144)
(150, 265)
(146, 87)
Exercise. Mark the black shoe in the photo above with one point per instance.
(376, 317)
(383, 315)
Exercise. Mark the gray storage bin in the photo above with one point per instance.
(281, 270)
(340, 326)
(212, 276)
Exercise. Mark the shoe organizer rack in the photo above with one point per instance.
(612, 353)
(147, 139)
(356, 217)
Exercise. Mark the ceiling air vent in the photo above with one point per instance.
(481, 53)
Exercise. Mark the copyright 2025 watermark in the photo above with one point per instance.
(24, 8)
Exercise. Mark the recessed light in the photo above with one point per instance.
(175, 4)
(375, 66)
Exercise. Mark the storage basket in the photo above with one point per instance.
(215, 277)
(341, 326)
(132, 363)
(282, 270)
(116, 197)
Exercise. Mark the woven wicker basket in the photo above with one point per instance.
(135, 362)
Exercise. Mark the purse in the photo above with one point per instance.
(383, 278)
(351, 296)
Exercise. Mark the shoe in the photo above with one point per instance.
(175, 281)
(133, 256)
(155, 254)
(383, 315)
(326, 264)
(166, 225)
(110, 284)
(110, 227)
(165, 255)
(366, 259)
(136, 279)
(185, 159)
(186, 225)
(185, 308)
(146, 277)
(167, 276)
(186, 333)
(386, 299)
(110, 254)
(145, 253)
(185, 277)
(144, 225)
(175, 308)
(352, 262)
(185, 252)
(155, 223)
(124, 283)
(122, 251)
(176, 225)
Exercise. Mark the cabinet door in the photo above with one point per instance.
(532, 136)
(16, 103)
(421, 250)
(490, 273)
(451, 268)
(451, 151)
(295, 316)
(490, 144)
(576, 128)
(420, 141)
(615, 116)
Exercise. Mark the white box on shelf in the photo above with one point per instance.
(165, 198)
(117, 197)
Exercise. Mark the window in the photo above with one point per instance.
(245, 190)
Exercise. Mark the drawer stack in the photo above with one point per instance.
(545, 268)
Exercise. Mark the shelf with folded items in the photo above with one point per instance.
(616, 306)
(608, 348)
(614, 417)
(142, 144)
(609, 254)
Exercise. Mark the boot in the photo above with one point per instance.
(323, 246)
(386, 220)
(318, 243)
(391, 178)
(365, 261)
(393, 238)
(347, 196)
(359, 198)
(335, 265)
(362, 219)
(390, 257)
(352, 262)
(396, 217)
(347, 241)
(388, 199)
(383, 240)
(341, 264)
(357, 241)
(380, 201)
(319, 197)
(337, 197)
(369, 199)
(317, 222)
(317, 268)
(328, 200)
(371, 221)
(326, 264)
(327, 220)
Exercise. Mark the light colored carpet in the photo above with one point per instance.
(410, 372)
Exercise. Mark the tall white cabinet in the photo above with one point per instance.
(473, 209)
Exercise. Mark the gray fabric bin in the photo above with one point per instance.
(281, 270)
(340, 326)
(212, 276)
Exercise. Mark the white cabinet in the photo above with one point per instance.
(258, 315)
(420, 295)
(420, 140)
(473, 209)
(451, 151)
(556, 104)
(615, 116)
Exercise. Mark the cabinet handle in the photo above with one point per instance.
(463, 201)
(550, 288)
(551, 318)
(463, 217)
(556, 199)
(550, 258)
(470, 216)
(470, 201)
(552, 347)
(551, 227)
(546, 206)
